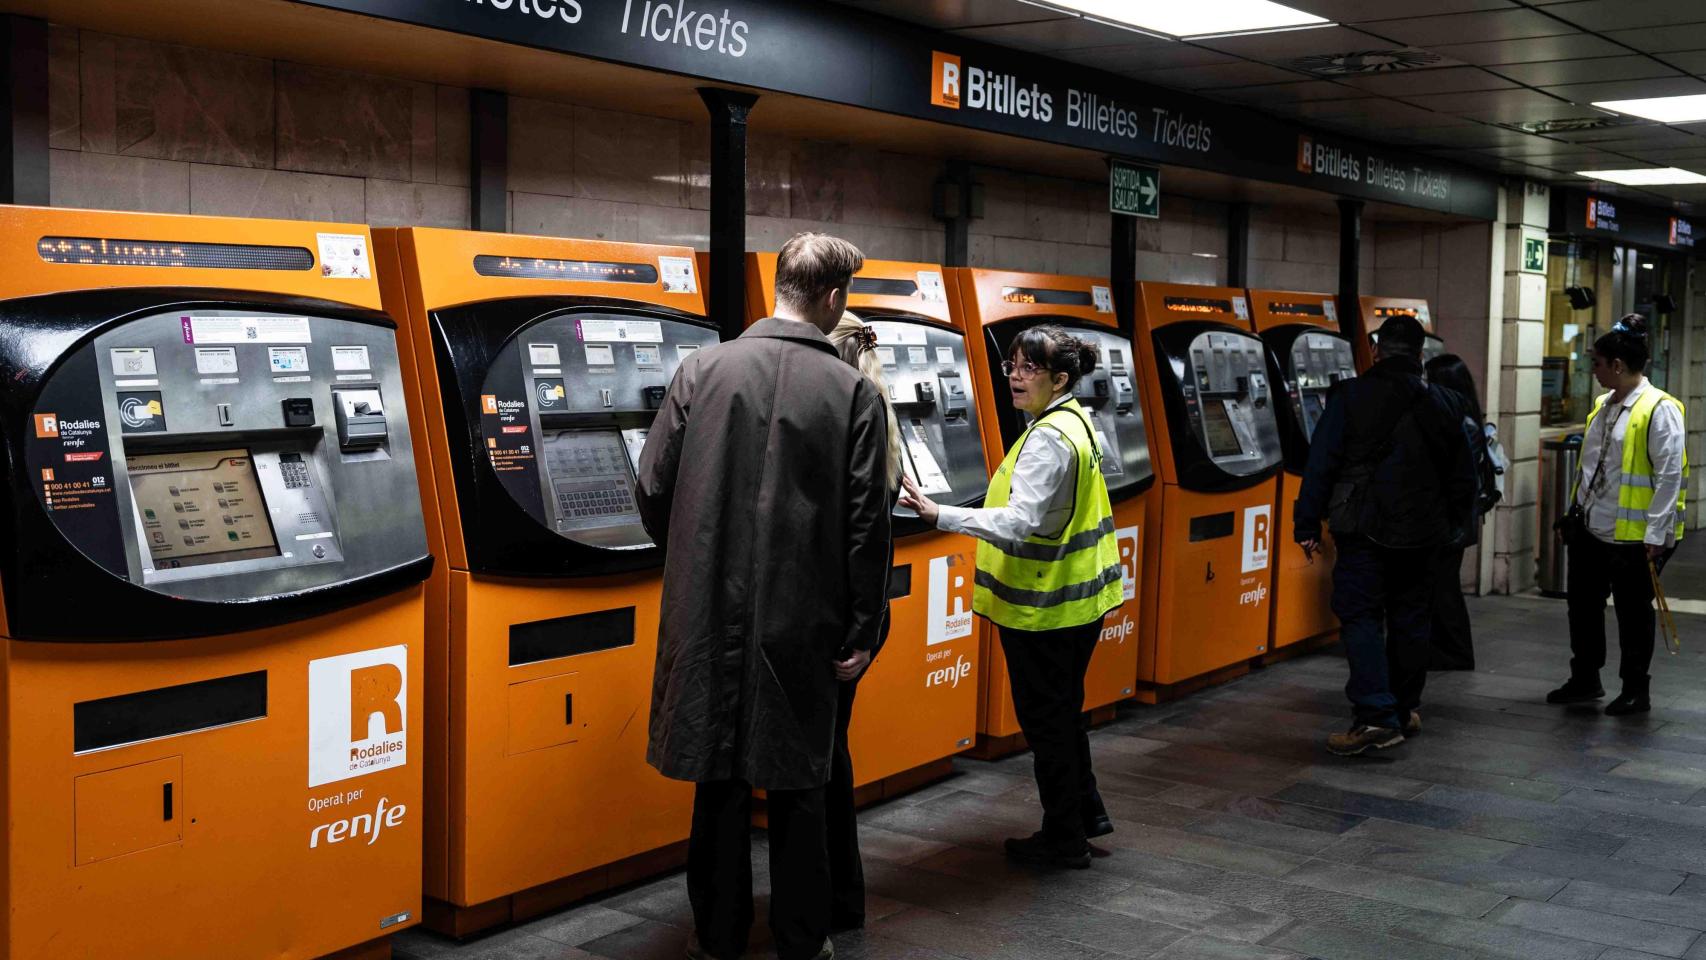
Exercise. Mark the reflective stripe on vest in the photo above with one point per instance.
(1635, 491)
(1046, 583)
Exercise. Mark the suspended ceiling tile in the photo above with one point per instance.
(1601, 15)
(1614, 131)
(1431, 32)
(1069, 33)
(953, 14)
(1288, 45)
(1693, 61)
(1356, 11)
(1658, 139)
(1595, 70)
(1629, 89)
(1135, 59)
(1666, 39)
(1265, 94)
(1675, 155)
(1476, 136)
(1498, 106)
(1569, 46)
(1237, 73)
(1438, 80)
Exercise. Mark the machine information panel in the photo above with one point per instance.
(1109, 394)
(1318, 360)
(591, 479)
(200, 507)
(1228, 401)
(929, 381)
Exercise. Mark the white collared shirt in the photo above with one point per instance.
(1039, 499)
(1665, 444)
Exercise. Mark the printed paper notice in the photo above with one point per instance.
(1241, 307)
(678, 275)
(1330, 309)
(630, 331)
(930, 288)
(210, 330)
(926, 472)
(344, 255)
(1104, 299)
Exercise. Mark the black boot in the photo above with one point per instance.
(1633, 699)
(1576, 690)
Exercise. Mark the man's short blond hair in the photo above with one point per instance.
(813, 264)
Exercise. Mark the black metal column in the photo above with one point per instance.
(725, 285)
(954, 203)
(24, 156)
(488, 160)
(1350, 279)
(1122, 271)
(1238, 245)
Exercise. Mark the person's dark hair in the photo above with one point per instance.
(1400, 336)
(810, 265)
(1449, 371)
(1056, 350)
(1627, 341)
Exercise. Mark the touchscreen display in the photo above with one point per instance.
(591, 484)
(202, 506)
(1314, 404)
(1217, 426)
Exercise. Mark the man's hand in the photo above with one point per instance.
(1655, 551)
(1310, 547)
(849, 669)
(912, 499)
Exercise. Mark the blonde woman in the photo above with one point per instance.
(857, 344)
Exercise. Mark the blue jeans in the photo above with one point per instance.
(1383, 598)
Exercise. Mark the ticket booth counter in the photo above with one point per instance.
(1205, 374)
(538, 365)
(1376, 310)
(1307, 355)
(994, 307)
(917, 705)
(211, 548)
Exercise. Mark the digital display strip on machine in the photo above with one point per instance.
(884, 287)
(1042, 295)
(200, 507)
(1315, 309)
(537, 268)
(100, 251)
(1197, 305)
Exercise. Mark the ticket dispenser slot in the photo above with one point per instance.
(361, 418)
(926, 367)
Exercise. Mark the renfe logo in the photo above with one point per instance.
(1118, 632)
(1258, 522)
(950, 613)
(357, 721)
(1129, 540)
(362, 824)
(949, 676)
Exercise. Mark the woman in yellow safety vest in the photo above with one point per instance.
(1047, 571)
(1628, 508)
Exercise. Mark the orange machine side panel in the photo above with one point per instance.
(1214, 593)
(153, 239)
(265, 865)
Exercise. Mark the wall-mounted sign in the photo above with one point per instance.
(1580, 214)
(1134, 190)
(1601, 214)
(885, 65)
(1534, 254)
(1681, 232)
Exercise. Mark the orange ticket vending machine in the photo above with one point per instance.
(917, 705)
(994, 307)
(538, 366)
(1375, 310)
(212, 552)
(1205, 376)
(1307, 355)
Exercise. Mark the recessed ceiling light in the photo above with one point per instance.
(1190, 18)
(1663, 109)
(1645, 177)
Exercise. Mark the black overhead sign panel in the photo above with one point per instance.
(830, 52)
(1579, 214)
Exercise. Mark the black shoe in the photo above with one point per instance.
(1627, 703)
(1043, 852)
(1098, 826)
(843, 922)
(1574, 691)
(1363, 737)
(1413, 724)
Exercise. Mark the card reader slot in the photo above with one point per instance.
(558, 637)
(168, 711)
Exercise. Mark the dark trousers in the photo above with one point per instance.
(1383, 598)
(1453, 645)
(846, 871)
(719, 869)
(1046, 669)
(1617, 570)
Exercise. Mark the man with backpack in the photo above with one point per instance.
(1393, 477)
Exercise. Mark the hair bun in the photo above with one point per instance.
(1088, 355)
(1633, 324)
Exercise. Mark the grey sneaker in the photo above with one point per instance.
(1413, 725)
(1362, 738)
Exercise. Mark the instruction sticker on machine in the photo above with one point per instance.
(677, 274)
(629, 331)
(344, 256)
(215, 330)
(1103, 298)
(358, 709)
(931, 288)
(926, 472)
(950, 615)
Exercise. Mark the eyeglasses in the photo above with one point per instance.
(1026, 369)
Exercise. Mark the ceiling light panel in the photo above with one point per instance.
(1685, 109)
(1646, 177)
(1196, 18)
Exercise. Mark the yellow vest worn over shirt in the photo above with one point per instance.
(1635, 494)
(1047, 583)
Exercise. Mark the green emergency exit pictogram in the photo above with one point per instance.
(1134, 190)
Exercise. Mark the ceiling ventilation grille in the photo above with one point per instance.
(1367, 61)
(1570, 124)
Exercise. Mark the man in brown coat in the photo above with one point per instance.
(764, 478)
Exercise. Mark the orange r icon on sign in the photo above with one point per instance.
(375, 689)
(47, 426)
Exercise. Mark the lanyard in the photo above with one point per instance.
(1604, 449)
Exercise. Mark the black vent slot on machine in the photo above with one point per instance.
(1211, 526)
(570, 636)
(168, 711)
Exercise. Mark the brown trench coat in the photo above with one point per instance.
(763, 477)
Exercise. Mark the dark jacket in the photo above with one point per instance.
(763, 477)
(1390, 451)
(1471, 425)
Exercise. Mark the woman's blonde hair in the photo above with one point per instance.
(857, 344)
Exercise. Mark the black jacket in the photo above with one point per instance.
(1389, 462)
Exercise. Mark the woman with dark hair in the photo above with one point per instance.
(1452, 646)
(1048, 570)
(1626, 517)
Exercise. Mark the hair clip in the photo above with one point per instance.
(867, 338)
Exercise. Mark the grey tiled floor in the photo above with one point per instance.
(1509, 829)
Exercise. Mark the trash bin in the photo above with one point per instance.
(1560, 459)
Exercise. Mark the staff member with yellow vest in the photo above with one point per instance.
(1047, 571)
(1627, 509)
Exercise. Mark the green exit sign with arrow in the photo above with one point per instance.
(1134, 190)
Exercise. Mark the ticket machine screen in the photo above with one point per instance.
(591, 479)
(1229, 403)
(1318, 360)
(200, 507)
(929, 384)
